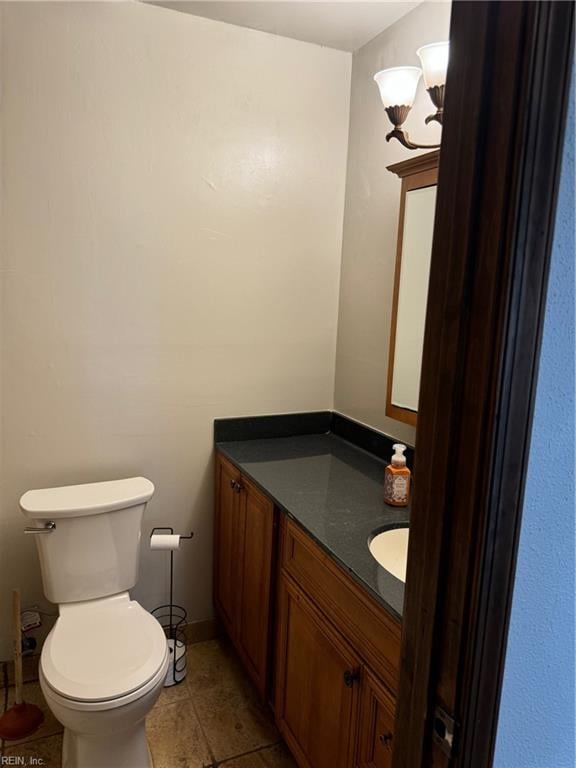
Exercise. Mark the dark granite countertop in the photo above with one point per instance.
(334, 490)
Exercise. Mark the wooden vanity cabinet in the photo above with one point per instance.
(336, 649)
(243, 553)
(317, 694)
(366, 625)
(331, 708)
(337, 659)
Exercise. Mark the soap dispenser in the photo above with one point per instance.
(397, 479)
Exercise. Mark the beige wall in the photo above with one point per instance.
(371, 218)
(174, 193)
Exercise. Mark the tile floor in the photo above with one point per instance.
(213, 719)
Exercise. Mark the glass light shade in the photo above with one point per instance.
(434, 58)
(398, 85)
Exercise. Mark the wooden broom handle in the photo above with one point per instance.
(16, 619)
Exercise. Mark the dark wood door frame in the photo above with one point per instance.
(504, 120)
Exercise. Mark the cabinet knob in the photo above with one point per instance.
(351, 676)
(386, 739)
(236, 486)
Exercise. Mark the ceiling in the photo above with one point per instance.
(343, 25)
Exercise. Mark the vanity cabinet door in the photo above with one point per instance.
(376, 725)
(243, 552)
(257, 516)
(317, 682)
(227, 544)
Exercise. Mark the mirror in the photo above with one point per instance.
(415, 231)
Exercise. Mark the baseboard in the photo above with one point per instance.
(29, 670)
(201, 631)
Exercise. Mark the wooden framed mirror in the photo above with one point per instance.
(419, 177)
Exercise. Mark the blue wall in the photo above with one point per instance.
(537, 724)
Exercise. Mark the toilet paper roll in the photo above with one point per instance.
(164, 541)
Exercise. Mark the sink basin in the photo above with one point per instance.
(390, 550)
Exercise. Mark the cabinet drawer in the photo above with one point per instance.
(367, 625)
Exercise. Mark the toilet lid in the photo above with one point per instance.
(103, 649)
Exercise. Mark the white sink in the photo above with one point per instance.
(390, 550)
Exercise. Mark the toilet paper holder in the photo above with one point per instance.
(172, 618)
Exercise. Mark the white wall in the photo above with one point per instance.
(371, 217)
(173, 203)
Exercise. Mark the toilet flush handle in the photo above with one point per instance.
(48, 528)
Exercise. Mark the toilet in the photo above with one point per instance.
(104, 662)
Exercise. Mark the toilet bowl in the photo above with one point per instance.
(102, 668)
(104, 663)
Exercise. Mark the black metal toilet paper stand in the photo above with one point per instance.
(172, 618)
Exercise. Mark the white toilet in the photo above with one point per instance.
(104, 662)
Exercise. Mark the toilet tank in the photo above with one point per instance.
(94, 548)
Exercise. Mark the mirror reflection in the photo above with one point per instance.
(414, 250)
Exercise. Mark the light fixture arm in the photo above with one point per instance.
(404, 139)
(397, 116)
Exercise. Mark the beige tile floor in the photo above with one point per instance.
(213, 719)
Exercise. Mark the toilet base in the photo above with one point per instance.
(123, 749)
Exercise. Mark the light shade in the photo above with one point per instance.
(434, 58)
(398, 85)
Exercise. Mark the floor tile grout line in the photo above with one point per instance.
(26, 742)
(221, 762)
(218, 763)
(202, 731)
(34, 739)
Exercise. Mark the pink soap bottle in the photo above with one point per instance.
(397, 479)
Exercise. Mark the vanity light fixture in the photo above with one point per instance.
(398, 90)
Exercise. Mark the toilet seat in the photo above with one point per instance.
(106, 704)
(103, 653)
